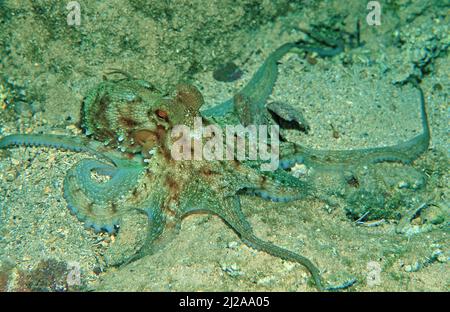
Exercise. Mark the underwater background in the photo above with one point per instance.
(385, 224)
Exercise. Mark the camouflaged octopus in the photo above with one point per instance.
(127, 123)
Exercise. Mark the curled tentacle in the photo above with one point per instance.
(100, 204)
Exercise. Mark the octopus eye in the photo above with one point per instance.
(162, 114)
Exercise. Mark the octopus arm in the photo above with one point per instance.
(97, 193)
(404, 152)
(229, 210)
(62, 142)
(259, 87)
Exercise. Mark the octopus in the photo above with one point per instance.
(128, 126)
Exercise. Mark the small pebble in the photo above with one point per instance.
(36, 107)
(412, 268)
(299, 170)
(403, 185)
(10, 176)
(232, 245)
(227, 73)
(289, 266)
(266, 281)
(442, 258)
(418, 184)
(231, 269)
(23, 108)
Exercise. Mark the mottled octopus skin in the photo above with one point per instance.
(130, 116)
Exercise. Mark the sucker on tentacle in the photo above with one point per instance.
(99, 204)
(58, 141)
